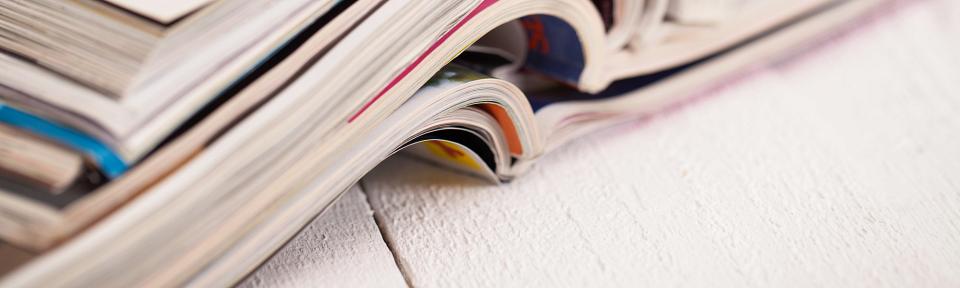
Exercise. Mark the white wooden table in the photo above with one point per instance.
(837, 168)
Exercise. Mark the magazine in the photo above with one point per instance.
(182, 142)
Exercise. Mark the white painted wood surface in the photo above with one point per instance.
(341, 248)
(840, 167)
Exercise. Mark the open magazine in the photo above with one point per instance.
(182, 142)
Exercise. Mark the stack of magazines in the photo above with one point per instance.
(181, 142)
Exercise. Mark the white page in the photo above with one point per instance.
(163, 11)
